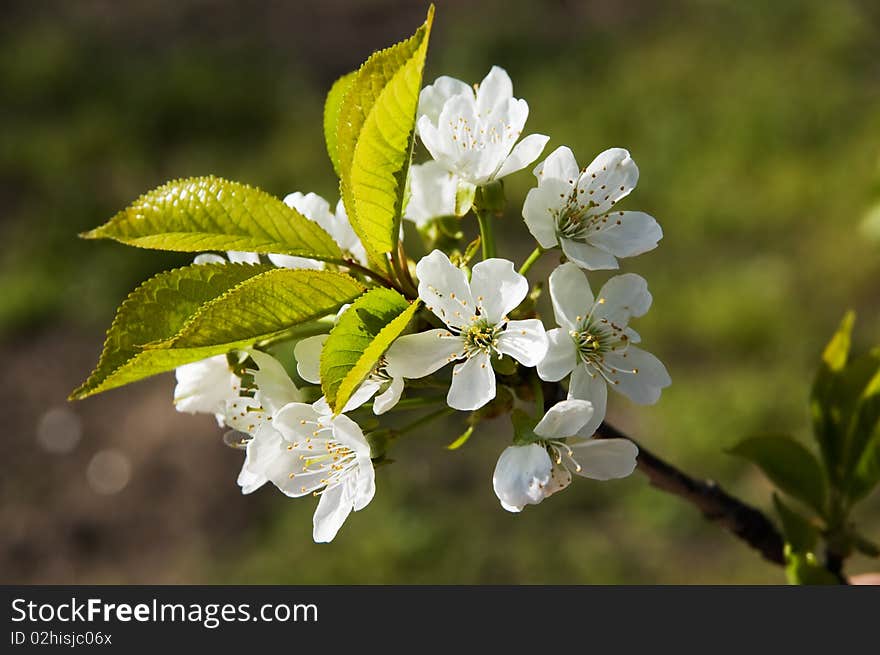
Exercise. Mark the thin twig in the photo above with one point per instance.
(371, 273)
(746, 522)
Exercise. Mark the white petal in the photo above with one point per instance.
(632, 335)
(239, 257)
(343, 232)
(446, 141)
(261, 452)
(349, 434)
(249, 482)
(561, 356)
(627, 234)
(611, 176)
(559, 165)
(444, 289)
(275, 389)
(523, 154)
(571, 295)
(588, 385)
(268, 458)
(205, 387)
(464, 196)
(565, 419)
(539, 211)
(289, 421)
(605, 459)
(289, 261)
(586, 256)
(432, 192)
(308, 357)
(515, 509)
(417, 355)
(520, 476)
(505, 125)
(639, 375)
(209, 258)
(434, 96)
(473, 383)
(560, 478)
(496, 88)
(322, 407)
(388, 398)
(438, 143)
(525, 341)
(362, 394)
(497, 288)
(622, 298)
(365, 483)
(333, 508)
(311, 205)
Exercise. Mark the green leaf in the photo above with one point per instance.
(804, 569)
(523, 428)
(867, 472)
(210, 213)
(861, 461)
(361, 336)
(331, 116)
(156, 310)
(182, 317)
(462, 439)
(825, 405)
(837, 351)
(798, 531)
(790, 466)
(375, 131)
(264, 306)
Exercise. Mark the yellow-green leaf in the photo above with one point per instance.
(361, 336)
(157, 310)
(263, 306)
(209, 213)
(375, 130)
(790, 466)
(331, 116)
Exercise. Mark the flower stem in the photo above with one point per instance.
(321, 326)
(487, 235)
(355, 266)
(538, 390)
(419, 402)
(424, 420)
(528, 263)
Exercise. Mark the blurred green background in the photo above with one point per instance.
(756, 127)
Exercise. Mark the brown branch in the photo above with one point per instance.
(749, 524)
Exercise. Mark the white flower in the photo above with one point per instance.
(572, 208)
(235, 257)
(594, 342)
(475, 313)
(317, 210)
(206, 387)
(306, 451)
(432, 192)
(471, 134)
(337, 225)
(526, 475)
(386, 388)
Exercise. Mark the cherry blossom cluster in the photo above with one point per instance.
(473, 319)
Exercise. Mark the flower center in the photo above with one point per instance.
(574, 220)
(327, 458)
(480, 337)
(596, 338)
